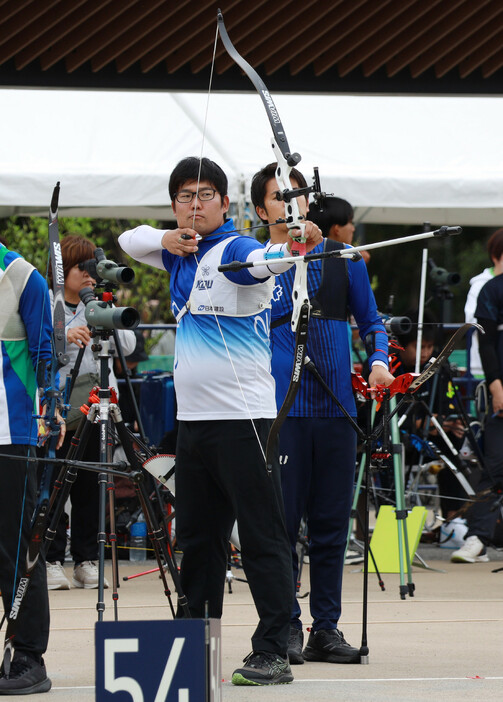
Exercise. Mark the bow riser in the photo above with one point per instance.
(295, 221)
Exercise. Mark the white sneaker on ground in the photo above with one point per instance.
(56, 577)
(473, 551)
(353, 557)
(86, 575)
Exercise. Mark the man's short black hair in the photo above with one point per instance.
(262, 177)
(335, 210)
(192, 168)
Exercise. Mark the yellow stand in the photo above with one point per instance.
(384, 542)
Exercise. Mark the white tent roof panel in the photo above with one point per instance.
(396, 159)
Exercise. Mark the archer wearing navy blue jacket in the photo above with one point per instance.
(317, 443)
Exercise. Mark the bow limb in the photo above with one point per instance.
(296, 376)
(52, 395)
(286, 160)
(58, 277)
(279, 135)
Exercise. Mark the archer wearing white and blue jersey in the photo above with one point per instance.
(25, 349)
(25, 342)
(317, 442)
(226, 404)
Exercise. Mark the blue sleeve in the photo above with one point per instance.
(35, 311)
(363, 306)
(168, 260)
(238, 250)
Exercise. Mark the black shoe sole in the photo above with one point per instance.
(42, 686)
(321, 657)
(295, 658)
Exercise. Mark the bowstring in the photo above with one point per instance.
(220, 330)
(204, 124)
(20, 535)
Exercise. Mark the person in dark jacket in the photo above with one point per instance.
(317, 443)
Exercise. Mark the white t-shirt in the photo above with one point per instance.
(476, 285)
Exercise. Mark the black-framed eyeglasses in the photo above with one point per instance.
(186, 196)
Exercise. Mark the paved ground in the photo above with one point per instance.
(444, 643)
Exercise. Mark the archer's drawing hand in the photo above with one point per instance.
(181, 242)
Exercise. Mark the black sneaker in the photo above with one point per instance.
(26, 677)
(295, 643)
(263, 668)
(330, 646)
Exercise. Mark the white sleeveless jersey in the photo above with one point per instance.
(213, 293)
(222, 364)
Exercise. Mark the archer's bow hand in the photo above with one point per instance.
(379, 378)
(62, 429)
(311, 235)
(51, 423)
(51, 427)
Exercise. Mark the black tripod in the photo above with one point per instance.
(367, 436)
(103, 408)
(229, 575)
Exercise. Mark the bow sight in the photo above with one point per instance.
(318, 195)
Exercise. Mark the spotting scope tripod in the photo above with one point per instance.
(103, 409)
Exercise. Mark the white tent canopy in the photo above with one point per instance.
(396, 159)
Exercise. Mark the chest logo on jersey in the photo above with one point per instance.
(205, 270)
(209, 308)
(277, 292)
(204, 284)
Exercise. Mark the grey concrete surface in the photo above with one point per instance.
(445, 643)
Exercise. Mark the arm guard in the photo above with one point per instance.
(376, 347)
